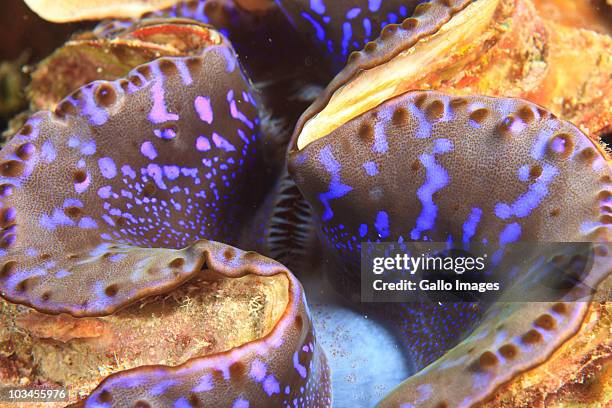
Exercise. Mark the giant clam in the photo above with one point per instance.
(124, 206)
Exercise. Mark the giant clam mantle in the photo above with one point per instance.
(123, 206)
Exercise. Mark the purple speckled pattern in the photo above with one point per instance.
(120, 193)
(286, 368)
(132, 187)
(341, 27)
(435, 181)
(104, 194)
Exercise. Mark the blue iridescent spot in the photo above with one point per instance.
(367, 27)
(204, 109)
(171, 172)
(380, 139)
(298, 367)
(182, 403)
(165, 133)
(271, 385)
(48, 151)
(336, 188)
(317, 6)
(87, 223)
(382, 224)
(222, 143)
(363, 230)
(371, 168)
(469, 227)
(202, 144)
(240, 403)
(510, 234)
(107, 167)
(347, 33)
(530, 200)
(159, 112)
(436, 179)
(73, 142)
(319, 30)
(258, 370)
(205, 384)
(352, 13)
(523, 173)
(374, 5)
(148, 150)
(88, 148)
